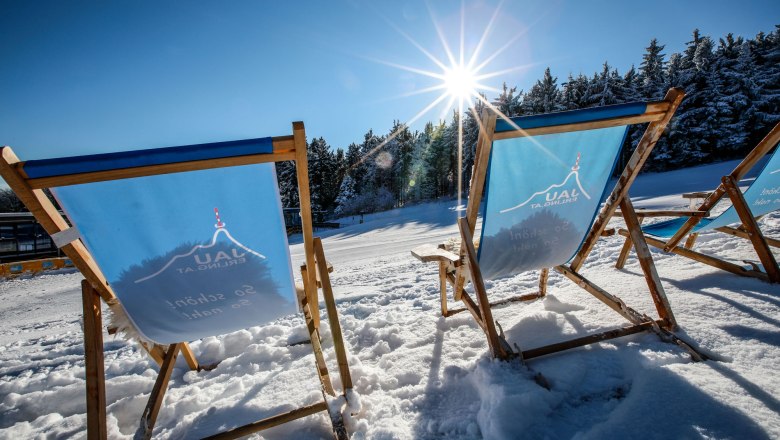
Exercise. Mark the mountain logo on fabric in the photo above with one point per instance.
(204, 259)
(568, 191)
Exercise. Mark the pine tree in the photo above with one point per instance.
(692, 136)
(402, 165)
(288, 183)
(509, 102)
(544, 96)
(652, 71)
(606, 87)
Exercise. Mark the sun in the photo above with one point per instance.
(460, 82)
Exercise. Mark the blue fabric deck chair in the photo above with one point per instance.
(185, 242)
(544, 179)
(740, 219)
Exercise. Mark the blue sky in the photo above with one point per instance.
(81, 78)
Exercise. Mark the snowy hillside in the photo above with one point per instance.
(419, 375)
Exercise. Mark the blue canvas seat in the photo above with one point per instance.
(545, 180)
(739, 219)
(183, 243)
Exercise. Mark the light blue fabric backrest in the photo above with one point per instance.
(763, 197)
(190, 254)
(543, 193)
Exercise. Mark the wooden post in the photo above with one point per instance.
(333, 316)
(93, 363)
(752, 229)
(479, 286)
(302, 171)
(643, 149)
(157, 395)
(647, 265)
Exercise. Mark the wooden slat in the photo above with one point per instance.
(93, 363)
(189, 356)
(753, 231)
(667, 213)
(648, 267)
(270, 422)
(604, 123)
(314, 337)
(517, 298)
(697, 195)
(478, 178)
(149, 416)
(479, 287)
(742, 234)
(703, 258)
(333, 316)
(586, 340)
(304, 199)
(633, 167)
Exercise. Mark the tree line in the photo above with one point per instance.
(732, 99)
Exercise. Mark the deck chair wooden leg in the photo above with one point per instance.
(494, 342)
(743, 234)
(443, 287)
(93, 363)
(691, 240)
(706, 259)
(626, 250)
(543, 277)
(647, 265)
(149, 416)
(751, 227)
(333, 316)
(314, 336)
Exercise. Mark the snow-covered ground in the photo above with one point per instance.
(418, 375)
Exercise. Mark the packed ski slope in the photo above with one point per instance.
(418, 375)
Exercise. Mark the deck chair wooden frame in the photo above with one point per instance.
(95, 286)
(457, 269)
(749, 228)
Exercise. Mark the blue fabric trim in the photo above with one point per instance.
(572, 116)
(140, 158)
(667, 228)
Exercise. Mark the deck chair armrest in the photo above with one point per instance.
(429, 253)
(697, 195)
(667, 213)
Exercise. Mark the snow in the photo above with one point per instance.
(418, 375)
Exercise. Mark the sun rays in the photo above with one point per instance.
(459, 77)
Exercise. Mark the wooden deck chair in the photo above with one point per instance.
(186, 242)
(544, 178)
(740, 219)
